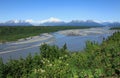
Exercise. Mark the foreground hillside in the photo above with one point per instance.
(16, 32)
(96, 61)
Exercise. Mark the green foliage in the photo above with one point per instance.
(96, 61)
(52, 52)
(115, 28)
(2, 67)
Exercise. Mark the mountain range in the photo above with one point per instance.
(57, 22)
(15, 23)
(72, 23)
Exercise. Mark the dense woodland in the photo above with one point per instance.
(115, 28)
(96, 61)
(12, 33)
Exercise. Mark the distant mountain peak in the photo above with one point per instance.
(90, 21)
(51, 19)
(16, 23)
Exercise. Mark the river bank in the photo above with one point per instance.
(13, 33)
(95, 61)
(32, 44)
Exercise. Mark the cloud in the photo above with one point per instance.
(29, 20)
(51, 19)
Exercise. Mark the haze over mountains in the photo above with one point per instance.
(57, 22)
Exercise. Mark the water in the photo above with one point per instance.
(74, 43)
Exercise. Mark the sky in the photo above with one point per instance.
(100, 10)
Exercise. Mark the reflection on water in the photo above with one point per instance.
(74, 43)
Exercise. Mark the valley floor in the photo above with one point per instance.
(96, 61)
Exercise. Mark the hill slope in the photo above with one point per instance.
(96, 61)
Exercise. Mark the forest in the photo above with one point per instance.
(95, 61)
(115, 28)
(13, 33)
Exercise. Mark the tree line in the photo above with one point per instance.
(13, 33)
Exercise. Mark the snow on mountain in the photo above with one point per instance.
(15, 23)
(52, 19)
(84, 23)
(72, 23)
(112, 24)
(57, 22)
(44, 22)
(51, 22)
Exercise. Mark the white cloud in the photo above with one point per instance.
(52, 19)
(15, 21)
(29, 20)
(35, 22)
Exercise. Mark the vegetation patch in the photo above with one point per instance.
(14, 33)
(96, 61)
(115, 28)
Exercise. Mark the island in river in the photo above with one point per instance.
(100, 57)
(74, 38)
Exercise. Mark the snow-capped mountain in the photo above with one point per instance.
(57, 22)
(51, 22)
(15, 23)
(84, 23)
(112, 24)
(51, 19)
(72, 23)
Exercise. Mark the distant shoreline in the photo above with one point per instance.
(9, 34)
